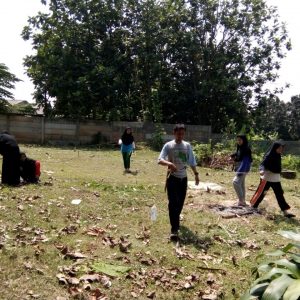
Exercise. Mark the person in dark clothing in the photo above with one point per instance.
(270, 170)
(127, 147)
(29, 169)
(242, 164)
(10, 151)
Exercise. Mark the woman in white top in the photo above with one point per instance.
(270, 170)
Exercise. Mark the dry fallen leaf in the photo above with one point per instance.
(124, 245)
(90, 277)
(62, 279)
(211, 278)
(181, 253)
(151, 295)
(73, 280)
(95, 231)
(75, 255)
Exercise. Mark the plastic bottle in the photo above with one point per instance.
(153, 213)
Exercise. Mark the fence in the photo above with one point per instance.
(40, 130)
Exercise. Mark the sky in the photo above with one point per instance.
(14, 15)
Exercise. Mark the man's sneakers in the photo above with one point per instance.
(288, 215)
(174, 237)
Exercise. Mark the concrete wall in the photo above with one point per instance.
(37, 129)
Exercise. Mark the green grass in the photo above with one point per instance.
(38, 221)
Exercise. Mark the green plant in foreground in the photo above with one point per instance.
(279, 279)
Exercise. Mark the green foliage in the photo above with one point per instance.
(7, 82)
(23, 108)
(198, 62)
(203, 153)
(109, 269)
(5, 106)
(291, 162)
(278, 279)
(157, 141)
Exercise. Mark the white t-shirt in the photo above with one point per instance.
(271, 177)
(181, 155)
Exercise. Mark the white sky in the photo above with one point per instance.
(14, 15)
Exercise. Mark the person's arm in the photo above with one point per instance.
(197, 180)
(162, 159)
(192, 162)
(261, 169)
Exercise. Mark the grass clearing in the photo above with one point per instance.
(42, 233)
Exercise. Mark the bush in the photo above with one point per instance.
(203, 153)
(279, 278)
(157, 141)
(291, 162)
(206, 152)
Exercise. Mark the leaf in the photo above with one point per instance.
(108, 269)
(90, 277)
(124, 245)
(247, 296)
(277, 287)
(73, 280)
(151, 295)
(289, 265)
(290, 235)
(259, 289)
(180, 253)
(274, 271)
(75, 255)
(293, 291)
(62, 279)
(95, 231)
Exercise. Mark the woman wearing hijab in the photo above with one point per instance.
(243, 159)
(270, 170)
(127, 147)
(10, 151)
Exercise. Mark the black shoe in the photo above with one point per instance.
(174, 236)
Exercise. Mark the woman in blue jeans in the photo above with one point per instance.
(242, 164)
(127, 147)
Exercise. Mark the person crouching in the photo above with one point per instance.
(30, 169)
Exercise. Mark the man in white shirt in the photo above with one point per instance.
(177, 155)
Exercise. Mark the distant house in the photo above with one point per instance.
(25, 107)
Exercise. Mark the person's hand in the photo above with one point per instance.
(172, 167)
(197, 180)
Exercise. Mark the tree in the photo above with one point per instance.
(7, 81)
(294, 117)
(200, 62)
(270, 116)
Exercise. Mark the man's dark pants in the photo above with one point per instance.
(176, 189)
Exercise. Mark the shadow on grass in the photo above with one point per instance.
(134, 173)
(279, 219)
(189, 237)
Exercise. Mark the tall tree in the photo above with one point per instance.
(192, 61)
(7, 83)
(293, 112)
(270, 116)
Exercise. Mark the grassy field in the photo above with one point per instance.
(52, 249)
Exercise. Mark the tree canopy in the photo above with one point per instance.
(7, 83)
(194, 61)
